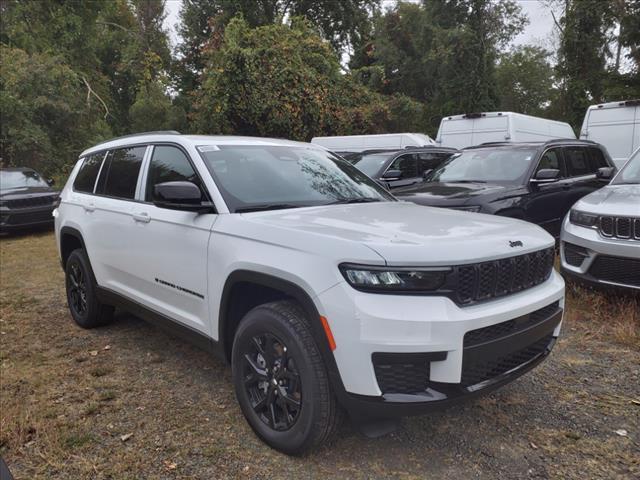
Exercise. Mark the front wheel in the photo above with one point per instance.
(280, 379)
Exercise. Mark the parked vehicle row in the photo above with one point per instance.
(309, 277)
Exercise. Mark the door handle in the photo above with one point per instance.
(89, 207)
(141, 217)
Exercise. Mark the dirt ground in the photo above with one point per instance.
(128, 401)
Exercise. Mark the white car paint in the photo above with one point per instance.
(616, 125)
(359, 143)
(132, 243)
(460, 131)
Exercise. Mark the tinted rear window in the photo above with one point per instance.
(120, 173)
(86, 177)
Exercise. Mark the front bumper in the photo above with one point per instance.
(590, 258)
(17, 218)
(426, 335)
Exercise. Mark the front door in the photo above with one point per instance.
(171, 245)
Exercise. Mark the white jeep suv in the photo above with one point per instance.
(324, 292)
(601, 235)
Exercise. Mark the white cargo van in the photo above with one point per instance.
(616, 125)
(460, 131)
(360, 143)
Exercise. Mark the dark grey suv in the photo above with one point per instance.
(26, 199)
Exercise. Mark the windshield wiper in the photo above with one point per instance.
(354, 200)
(269, 206)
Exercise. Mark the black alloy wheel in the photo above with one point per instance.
(272, 381)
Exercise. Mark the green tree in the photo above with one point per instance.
(442, 53)
(203, 21)
(285, 81)
(524, 80)
(45, 123)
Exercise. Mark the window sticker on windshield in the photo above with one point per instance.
(208, 148)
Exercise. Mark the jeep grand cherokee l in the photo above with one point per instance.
(26, 199)
(537, 182)
(323, 292)
(601, 235)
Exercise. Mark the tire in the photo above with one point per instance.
(83, 303)
(279, 332)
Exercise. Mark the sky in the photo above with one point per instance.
(538, 32)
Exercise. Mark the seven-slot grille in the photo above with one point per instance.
(620, 227)
(487, 280)
(31, 201)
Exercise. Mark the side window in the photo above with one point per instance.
(169, 164)
(550, 159)
(119, 175)
(86, 177)
(407, 164)
(597, 159)
(430, 161)
(577, 162)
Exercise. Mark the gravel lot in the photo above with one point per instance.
(128, 401)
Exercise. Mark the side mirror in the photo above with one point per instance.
(546, 175)
(426, 173)
(180, 196)
(50, 181)
(392, 175)
(605, 173)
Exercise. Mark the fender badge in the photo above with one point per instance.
(517, 243)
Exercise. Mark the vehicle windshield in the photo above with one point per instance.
(630, 173)
(485, 165)
(264, 177)
(372, 163)
(20, 179)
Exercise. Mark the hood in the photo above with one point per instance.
(619, 200)
(402, 233)
(24, 192)
(436, 193)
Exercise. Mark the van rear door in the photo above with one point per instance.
(618, 129)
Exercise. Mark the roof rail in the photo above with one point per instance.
(155, 132)
(569, 140)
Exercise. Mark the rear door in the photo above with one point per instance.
(169, 247)
(407, 164)
(113, 262)
(545, 203)
(582, 163)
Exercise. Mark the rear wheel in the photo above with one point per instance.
(280, 379)
(87, 311)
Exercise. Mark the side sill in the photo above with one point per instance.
(160, 320)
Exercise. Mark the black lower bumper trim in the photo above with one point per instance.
(496, 362)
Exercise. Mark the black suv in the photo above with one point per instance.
(26, 199)
(402, 167)
(537, 182)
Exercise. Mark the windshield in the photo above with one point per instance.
(630, 173)
(20, 179)
(372, 163)
(485, 165)
(263, 177)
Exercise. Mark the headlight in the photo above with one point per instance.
(389, 279)
(470, 208)
(583, 219)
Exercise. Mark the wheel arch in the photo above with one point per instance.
(241, 282)
(70, 239)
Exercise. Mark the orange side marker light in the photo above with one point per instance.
(327, 331)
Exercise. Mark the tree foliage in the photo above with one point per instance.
(284, 80)
(523, 80)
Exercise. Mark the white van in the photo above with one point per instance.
(360, 143)
(460, 131)
(616, 125)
